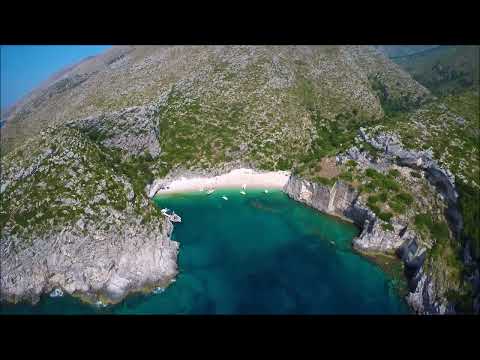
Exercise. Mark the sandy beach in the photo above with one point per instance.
(234, 179)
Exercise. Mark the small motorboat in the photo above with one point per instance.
(243, 192)
(266, 191)
(224, 197)
(210, 191)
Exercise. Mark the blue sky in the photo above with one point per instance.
(24, 67)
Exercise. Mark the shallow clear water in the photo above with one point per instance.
(255, 254)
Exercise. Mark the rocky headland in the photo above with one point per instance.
(95, 265)
(402, 239)
(72, 219)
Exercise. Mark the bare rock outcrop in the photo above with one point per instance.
(71, 221)
(342, 200)
(133, 130)
(441, 178)
(86, 261)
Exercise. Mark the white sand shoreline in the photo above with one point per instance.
(236, 178)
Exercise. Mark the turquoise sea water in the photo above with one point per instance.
(255, 254)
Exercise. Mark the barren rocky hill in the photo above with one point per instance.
(276, 83)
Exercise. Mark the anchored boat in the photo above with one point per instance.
(171, 215)
(244, 186)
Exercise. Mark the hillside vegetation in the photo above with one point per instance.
(444, 70)
(85, 145)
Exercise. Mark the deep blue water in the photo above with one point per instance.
(255, 254)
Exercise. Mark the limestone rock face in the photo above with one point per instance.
(441, 178)
(76, 222)
(342, 200)
(425, 298)
(392, 147)
(374, 238)
(152, 189)
(132, 129)
(314, 195)
(90, 263)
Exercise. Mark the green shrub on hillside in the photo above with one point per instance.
(351, 163)
(347, 176)
(404, 198)
(383, 196)
(438, 230)
(469, 200)
(387, 227)
(394, 173)
(385, 216)
(380, 181)
(391, 103)
(372, 173)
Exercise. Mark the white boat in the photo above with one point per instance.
(158, 290)
(266, 191)
(210, 191)
(56, 293)
(100, 303)
(171, 215)
(175, 218)
(242, 192)
(224, 197)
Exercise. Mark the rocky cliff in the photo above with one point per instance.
(84, 261)
(396, 235)
(342, 200)
(444, 181)
(72, 218)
